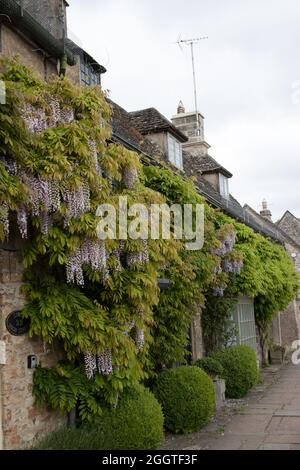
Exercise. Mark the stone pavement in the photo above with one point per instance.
(268, 418)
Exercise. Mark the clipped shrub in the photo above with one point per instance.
(68, 439)
(240, 369)
(211, 366)
(136, 424)
(187, 396)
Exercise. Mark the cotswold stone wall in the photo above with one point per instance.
(22, 422)
(285, 328)
(291, 225)
(14, 44)
(51, 14)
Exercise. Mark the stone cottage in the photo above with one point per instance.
(213, 182)
(286, 325)
(36, 32)
(20, 421)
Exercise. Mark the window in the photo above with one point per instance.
(224, 187)
(243, 319)
(175, 151)
(88, 75)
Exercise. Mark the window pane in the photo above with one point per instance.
(171, 149)
(88, 76)
(224, 187)
(174, 151)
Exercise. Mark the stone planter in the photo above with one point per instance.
(220, 388)
(277, 354)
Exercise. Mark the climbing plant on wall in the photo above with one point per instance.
(209, 267)
(268, 275)
(234, 261)
(99, 298)
(94, 296)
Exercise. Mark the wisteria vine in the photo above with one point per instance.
(231, 263)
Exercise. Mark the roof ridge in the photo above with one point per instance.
(288, 212)
(157, 111)
(270, 222)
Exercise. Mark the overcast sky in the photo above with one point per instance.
(248, 77)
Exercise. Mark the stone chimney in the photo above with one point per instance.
(192, 125)
(51, 14)
(266, 213)
(181, 108)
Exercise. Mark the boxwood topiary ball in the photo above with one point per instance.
(136, 424)
(240, 369)
(211, 366)
(187, 396)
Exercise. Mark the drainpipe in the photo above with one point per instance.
(279, 329)
(63, 63)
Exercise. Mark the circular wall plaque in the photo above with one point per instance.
(16, 324)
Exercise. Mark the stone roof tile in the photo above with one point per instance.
(149, 121)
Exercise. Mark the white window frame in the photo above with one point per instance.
(224, 186)
(175, 152)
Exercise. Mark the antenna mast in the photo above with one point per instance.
(191, 42)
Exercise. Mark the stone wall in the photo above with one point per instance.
(73, 73)
(22, 422)
(159, 139)
(294, 251)
(285, 326)
(291, 225)
(49, 13)
(14, 44)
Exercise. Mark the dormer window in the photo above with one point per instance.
(224, 186)
(88, 76)
(175, 152)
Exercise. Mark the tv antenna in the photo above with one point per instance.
(191, 43)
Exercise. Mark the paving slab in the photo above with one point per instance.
(275, 447)
(288, 413)
(227, 443)
(248, 424)
(280, 425)
(282, 439)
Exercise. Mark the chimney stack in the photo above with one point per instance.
(266, 213)
(181, 108)
(192, 125)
